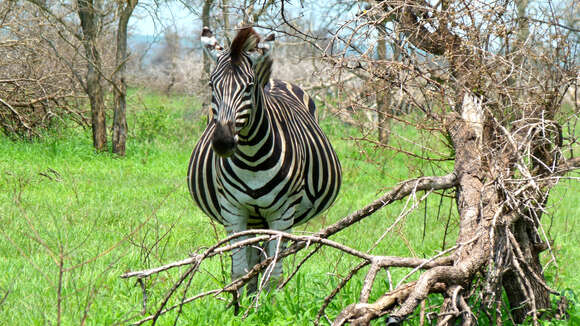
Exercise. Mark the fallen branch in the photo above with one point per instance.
(363, 313)
(400, 191)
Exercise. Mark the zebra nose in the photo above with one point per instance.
(223, 141)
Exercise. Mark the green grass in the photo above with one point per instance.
(98, 216)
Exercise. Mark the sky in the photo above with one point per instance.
(146, 21)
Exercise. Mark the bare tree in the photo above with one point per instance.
(91, 32)
(504, 124)
(36, 88)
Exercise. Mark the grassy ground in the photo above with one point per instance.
(73, 221)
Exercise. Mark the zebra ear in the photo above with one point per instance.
(267, 44)
(263, 69)
(209, 43)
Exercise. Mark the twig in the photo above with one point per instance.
(4, 297)
(297, 268)
(337, 289)
(146, 273)
(6, 104)
(188, 300)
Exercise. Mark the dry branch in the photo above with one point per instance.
(400, 191)
(362, 313)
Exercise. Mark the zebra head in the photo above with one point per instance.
(237, 82)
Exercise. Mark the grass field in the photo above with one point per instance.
(73, 221)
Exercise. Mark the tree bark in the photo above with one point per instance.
(125, 10)
(90, 20)
(518, 297)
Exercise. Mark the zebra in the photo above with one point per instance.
(262, 162)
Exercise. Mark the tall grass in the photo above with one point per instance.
(73, 221)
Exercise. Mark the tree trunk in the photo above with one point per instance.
(383, 99)
(90, 21)
(225, 17)
(120, 117)
(205, 21)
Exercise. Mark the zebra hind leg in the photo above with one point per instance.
(239, 264)
(273, 274)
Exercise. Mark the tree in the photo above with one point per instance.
(36, 89)
(92, 35)
(91, 19)
(124, 11)
(504, 128)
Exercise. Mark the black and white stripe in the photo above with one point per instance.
(263, 161)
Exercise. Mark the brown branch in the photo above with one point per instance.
(400, 191)
(52, 97)
(439, 273)
(15, 112)
(363, 313)
(336, 290)
(297, 268)
(300, 242)
(569, 165)
(554, 23)
(188, 300)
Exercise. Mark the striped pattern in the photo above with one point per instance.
(263, 161)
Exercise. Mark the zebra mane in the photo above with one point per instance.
(245, 41)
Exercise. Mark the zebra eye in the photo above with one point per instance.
(213, 109)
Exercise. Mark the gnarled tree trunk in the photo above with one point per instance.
(125, 9)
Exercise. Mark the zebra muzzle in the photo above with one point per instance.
(224, 140)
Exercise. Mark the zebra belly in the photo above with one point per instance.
(259, 209)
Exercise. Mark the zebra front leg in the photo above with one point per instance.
(273, 274)
(255, 252)
(241, 259)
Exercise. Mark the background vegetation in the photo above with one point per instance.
(479, 97)
(73, 221)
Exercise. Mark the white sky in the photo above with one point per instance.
(144, 22)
